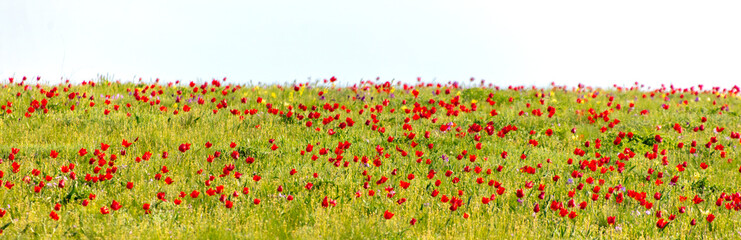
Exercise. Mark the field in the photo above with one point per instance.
(213, 159)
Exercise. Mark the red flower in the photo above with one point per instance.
(194, 194)
(704, 165)
(229, 204)
(388, 215)
(184, 147)
(697, 200)
(326, 202)
(256, 201)
(82, 152)
(611, 220)
(54, 216)
(710, 218)
(125, 143)
(115, 205)
(661, 223)
(129, 185)
(104, 210)
(53, 154)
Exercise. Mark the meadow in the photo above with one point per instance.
(105, 159)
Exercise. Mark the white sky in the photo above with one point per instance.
(505, 42)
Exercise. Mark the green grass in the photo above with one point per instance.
(156, 131)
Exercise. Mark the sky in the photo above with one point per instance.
(598, 43)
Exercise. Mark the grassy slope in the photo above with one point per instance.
(86, 127)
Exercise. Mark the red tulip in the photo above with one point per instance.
(115, 205)
(661, 223)
(611, 220)
(388, 215)
(54, 216)
(82, 152)
(104, 210)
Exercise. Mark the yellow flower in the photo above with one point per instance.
(704, 212)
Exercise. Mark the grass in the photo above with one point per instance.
(154, 129)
